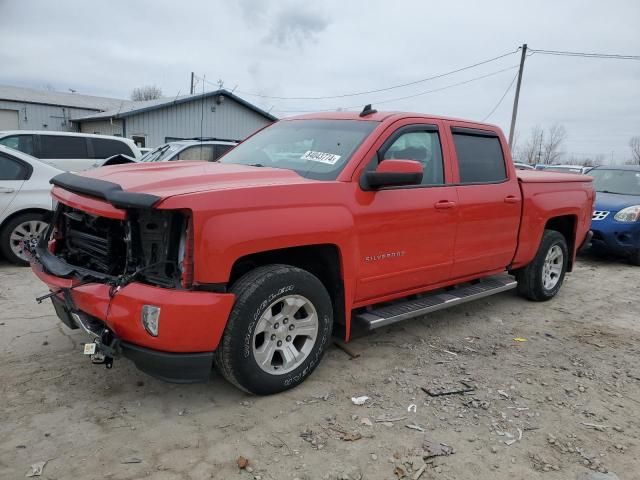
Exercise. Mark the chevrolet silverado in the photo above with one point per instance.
(310, 228)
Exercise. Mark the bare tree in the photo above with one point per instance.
(148, 92)
(634, 143)
(531, 151)
(551, 147)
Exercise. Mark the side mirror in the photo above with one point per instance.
(392, 173)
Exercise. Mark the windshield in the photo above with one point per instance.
(161, 153)
(317, 149)
(624, 182)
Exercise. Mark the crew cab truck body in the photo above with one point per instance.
(308, 227)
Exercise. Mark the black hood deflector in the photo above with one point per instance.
(109, 191)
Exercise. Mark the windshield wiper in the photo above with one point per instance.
(256, 165)
(609, 191)
(157, 153)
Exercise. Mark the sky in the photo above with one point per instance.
(298, 48)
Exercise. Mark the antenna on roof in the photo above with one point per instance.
(367, 110)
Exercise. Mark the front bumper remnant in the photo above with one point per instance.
(167, 366)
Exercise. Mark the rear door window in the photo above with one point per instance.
(23, 143)
(480, 158)
(11, 169)
(105, 148)
(63, 146)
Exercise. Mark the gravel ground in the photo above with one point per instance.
(563, 403)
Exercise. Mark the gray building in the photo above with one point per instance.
(218, 114)
(29, 109)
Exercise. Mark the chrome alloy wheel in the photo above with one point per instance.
(285, 334)
(552, 268)
(29, 231)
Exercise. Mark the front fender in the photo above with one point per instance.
(223, 238)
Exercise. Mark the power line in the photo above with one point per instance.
(501, 98)
(613, 56)
(385, 89)
(433, 77)
(389, 100)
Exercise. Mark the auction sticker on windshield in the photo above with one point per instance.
(328, 158)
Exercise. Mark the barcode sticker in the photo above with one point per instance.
(322, 157)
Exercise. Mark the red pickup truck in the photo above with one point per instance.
(311, 227)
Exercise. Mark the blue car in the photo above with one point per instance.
(616, 217)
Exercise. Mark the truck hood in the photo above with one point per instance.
(612, 202)
(166, 179)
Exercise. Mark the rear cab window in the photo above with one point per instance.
(480, 156)
(196, 152)
(63, 147)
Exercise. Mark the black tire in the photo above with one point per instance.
(530, 278)
(634, 259)
(5, 235)
(255, 292)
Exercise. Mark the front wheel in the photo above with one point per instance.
(542, 278)
(278, 330)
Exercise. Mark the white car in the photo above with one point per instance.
(25, 201)
(68, 150)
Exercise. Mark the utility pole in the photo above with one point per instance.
(517, 97)
(192, 78)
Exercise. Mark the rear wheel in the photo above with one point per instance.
(542, 278)
(278, 330)
(635, 258)
(25, 227)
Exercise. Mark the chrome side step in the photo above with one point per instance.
(431, 302)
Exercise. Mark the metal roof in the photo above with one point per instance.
(61, 99)
(134, 108)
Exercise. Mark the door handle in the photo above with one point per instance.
(511, 199)
(7, 190)
(443, 204)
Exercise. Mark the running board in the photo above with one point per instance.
(431, 302)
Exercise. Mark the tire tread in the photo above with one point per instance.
(243, 289)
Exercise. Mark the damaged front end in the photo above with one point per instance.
(132, 241)
(148, 246)
(122, 272)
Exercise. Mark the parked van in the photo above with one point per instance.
(68, 150)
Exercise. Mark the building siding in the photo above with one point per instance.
(103, 127)
(187, 120)
(33, 116)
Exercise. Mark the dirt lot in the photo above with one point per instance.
(564, 402)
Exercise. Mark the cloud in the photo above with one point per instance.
(297, 48)
(296, 26)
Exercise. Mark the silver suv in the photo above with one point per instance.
(203, 149)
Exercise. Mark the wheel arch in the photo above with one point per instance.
(565, 225)
(325, 261)
(17, 213)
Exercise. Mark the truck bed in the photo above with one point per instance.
(568, 197)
